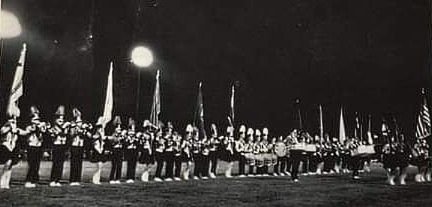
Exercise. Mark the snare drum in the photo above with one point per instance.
(267, 159)
(250, 159)
(259, 160)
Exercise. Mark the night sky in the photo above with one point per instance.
(369, 56)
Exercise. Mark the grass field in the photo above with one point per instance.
(324, 190)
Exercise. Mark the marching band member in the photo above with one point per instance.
(59, 134)
(8, 151)
(196, 154)
(315, 158)
(280, 150)
(248, 150)
(146, 148)
(186, 148)
(295, 155)
(98, 151)
(117, 149)
(403, 159)
(420, 156)
(228, 150)
(265, 152)
(177, 140)
(390, 159)
(272, 155)
(328, 155)
(131, 151)
(36, 130)
(214, 150)
(205, 152)
(169, 153)
(239, 150)
(79, 134)
(160, 145)
(355, 161)
(259, 160)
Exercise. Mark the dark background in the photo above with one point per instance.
(369, 56)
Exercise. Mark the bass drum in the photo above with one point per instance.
(281, 150)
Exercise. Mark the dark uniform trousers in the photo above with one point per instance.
(356, 163)
(159, 164)
(131, 156)
(116, 164)
(198, 164)
(242, 164)
(296, 157)
(34, 155)
(280, 165)
(76, 163)
(205, 165)
(169, 168)
(177, 165)
(213, 160)
(58, 158)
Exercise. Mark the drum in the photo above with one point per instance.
(299, 147)
(364, 150)
(250, 159)
(259, 160)
(267, 159)
(311, 148)
(280, 149)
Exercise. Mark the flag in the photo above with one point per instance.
(357, 128)
(342, 135)
(384, 129)
(369, 131)
(231, 116)
(199, 112)
(17, 86)
(107, 113)
(423, 128)
(156, 106)
(321, 122)
(299, 114)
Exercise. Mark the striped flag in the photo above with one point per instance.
(107, 114)
(231, 116)
(423, 128)
(199, 113)
(17, 86)
(156, 106)
(342, 134)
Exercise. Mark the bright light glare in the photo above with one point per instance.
(141, 56)
(9, 25)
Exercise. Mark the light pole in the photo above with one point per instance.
(142, 57)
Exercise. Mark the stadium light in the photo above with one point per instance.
(141, 56)
(9, 25)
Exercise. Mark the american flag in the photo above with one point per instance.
(423, 128)
(17, 86)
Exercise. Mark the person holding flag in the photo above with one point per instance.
(99, 137)
(421, 148)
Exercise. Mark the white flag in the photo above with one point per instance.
(17, 86)
(342, 135)
(107, 114)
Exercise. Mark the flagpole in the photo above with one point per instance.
(299, 114)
